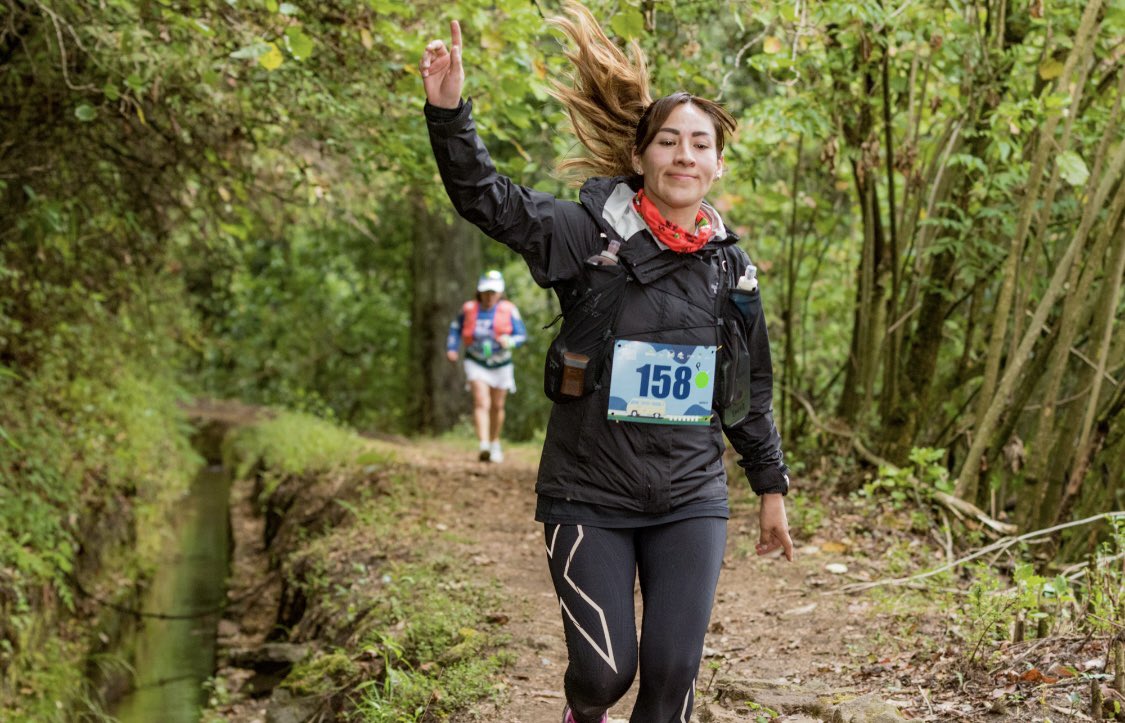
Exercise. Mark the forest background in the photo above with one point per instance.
(237, 199)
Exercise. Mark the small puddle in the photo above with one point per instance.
(173, 658)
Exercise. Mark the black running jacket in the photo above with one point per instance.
(675, 299)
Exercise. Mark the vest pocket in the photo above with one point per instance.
(734, 367)
(577, 357)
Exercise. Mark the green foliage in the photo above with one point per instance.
(440, 662)
(225, 197)
(295, 443)
(321, 675)
(991, 610)
(95, 450)
(309, 325)
(761, 713)
(1105, 583)
(985, 614)
(806, 515)
(902, 485)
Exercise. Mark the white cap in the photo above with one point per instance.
(491, 281)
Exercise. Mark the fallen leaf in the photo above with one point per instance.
(1036, 676)
(1062, 671)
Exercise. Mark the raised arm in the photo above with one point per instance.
(553, 236)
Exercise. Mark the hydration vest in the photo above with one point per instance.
(501, 321)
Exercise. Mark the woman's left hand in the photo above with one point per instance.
(774, 527)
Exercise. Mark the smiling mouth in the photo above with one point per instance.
(682, 176)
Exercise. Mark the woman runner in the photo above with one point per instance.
(489, 327)
(631, 481)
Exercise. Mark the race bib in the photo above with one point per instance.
(661, 383)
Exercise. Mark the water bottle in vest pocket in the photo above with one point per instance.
(734, 388)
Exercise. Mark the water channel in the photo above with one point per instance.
(172, 658)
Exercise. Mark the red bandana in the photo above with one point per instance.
(669, 234)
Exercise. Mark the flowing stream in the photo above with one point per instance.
(172, 658)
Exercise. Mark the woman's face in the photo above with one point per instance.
(681, 164)
(488, 299)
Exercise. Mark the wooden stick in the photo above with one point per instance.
(957, 505)
(1001, 544)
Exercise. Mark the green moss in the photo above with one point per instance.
(321, 674)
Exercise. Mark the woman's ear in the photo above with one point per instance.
(720, 168)
(637, 168)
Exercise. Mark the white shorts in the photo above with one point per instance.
(499, 378)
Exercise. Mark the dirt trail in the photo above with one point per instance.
(781, 634)
(770, 624)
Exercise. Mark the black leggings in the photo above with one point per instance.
(594, 569)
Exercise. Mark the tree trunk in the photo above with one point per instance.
(788, 313)
(970, 470)
(1046, 147)
(991, 400)
(444, 263)
(1108, 312)
(1054, 448)
(916, 383)
(873, 276)
(1038, 462)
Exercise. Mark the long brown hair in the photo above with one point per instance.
(608, 99)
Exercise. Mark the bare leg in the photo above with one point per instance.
(496, 412)
(481, 409)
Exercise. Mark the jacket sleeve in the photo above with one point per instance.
(755, 437)
(549, 233)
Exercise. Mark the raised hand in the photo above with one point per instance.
(442, 73)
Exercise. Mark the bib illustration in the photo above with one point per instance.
(661, 383)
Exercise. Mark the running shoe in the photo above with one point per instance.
(495, 454)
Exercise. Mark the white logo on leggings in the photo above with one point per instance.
(607, 653)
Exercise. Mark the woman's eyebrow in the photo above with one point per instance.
(676, 132)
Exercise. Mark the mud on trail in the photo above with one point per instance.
(784, 643)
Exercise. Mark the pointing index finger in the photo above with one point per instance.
(455, 33)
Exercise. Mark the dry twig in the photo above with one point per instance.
(955, 504)
(1001, 544)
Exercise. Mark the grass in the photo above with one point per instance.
(296, 443)
(406, 624)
